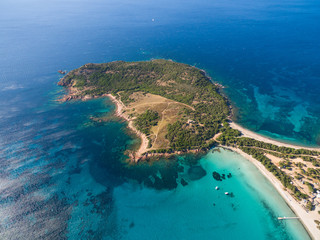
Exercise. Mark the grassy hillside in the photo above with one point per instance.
(176, 81)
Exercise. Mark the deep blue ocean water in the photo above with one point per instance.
(64, 177)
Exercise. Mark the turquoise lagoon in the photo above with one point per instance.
(199, 211)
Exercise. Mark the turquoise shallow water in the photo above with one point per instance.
(201, 212)
(66, 178)
(63, 177)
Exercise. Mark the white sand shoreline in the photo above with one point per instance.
(120, 113)
(306, 218)
(256, 136)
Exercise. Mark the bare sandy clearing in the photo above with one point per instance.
(169, 112)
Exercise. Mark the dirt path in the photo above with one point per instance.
(161, 122)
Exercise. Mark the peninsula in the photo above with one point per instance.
(176, 108)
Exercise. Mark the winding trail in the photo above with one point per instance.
(160, 123)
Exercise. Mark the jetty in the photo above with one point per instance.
(287, 218)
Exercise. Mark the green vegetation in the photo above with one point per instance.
(145, 121)
(176, 81)
(298, 176)
(288, 152)
(196, 125)
(313, 172)
(229, 134)
(309, 206)
(315, 162)
(285, 164)
(310, 187)
(181, 137)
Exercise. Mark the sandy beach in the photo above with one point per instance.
(306, 218)
(256, 136)
(120, 112)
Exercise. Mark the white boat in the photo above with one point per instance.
(226, 193)
(217, 188)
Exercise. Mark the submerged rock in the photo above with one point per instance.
(229, 175)
(131, 225)
(233, 207)
(184, 182)
(196, 173)
(216, 176)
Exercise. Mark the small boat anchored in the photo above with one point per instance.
(62, 72)
(226, 193)
(217, 188)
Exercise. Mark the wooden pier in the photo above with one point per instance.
(287, 218)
